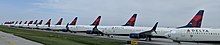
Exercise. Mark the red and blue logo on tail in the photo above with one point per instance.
(131, 21)
(30, 22)
(96, 21)
(25, 22)
(60, 21)
(74, 21)
(41, 21)
(196, 21)
(35, 22)
(48, 22)
(20, 22)
(16, 22)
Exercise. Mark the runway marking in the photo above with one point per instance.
(5, 39)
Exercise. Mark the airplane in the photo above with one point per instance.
(45, 26)
(87, 29)
(63, 27)
(132, 32)
(195, 22)
(198, 34)
(57, 25)
(203, 35)
(77, 28)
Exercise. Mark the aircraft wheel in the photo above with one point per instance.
(102, 34)
(111, 36)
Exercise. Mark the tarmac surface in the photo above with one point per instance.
(9, 39)
(155, 41)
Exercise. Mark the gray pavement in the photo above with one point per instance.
(9, 39)
(155, 41)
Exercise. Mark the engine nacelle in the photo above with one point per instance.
(93, 32)
(64, 30)
(89, 32)
(137, 35)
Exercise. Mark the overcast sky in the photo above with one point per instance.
(169, 13)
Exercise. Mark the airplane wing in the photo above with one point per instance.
(150, 31)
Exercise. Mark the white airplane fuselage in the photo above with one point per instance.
(79, 28)
(25, 25)
(194, 34)
(117, 30)
(128, 30)
(58, 27)
(43, 27)
(32, 26)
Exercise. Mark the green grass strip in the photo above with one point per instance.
(50, 38)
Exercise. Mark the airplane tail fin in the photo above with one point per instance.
(96, 21)
(20, 22)
(60, 21)
(196, 21)
(41, 21)
(16, 22)
(30, 22)
(131, 21)
(35, 22)
(48, 22)
(74, 21)
(25, 22)
(12, 22)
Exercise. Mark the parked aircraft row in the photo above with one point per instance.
(192, 32)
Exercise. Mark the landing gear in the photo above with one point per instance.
(72, 31)
(110, 36)
(148, 38)
(102, 34)
(177, 42)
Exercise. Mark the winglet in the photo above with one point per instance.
(154, 28)
(67, 26)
